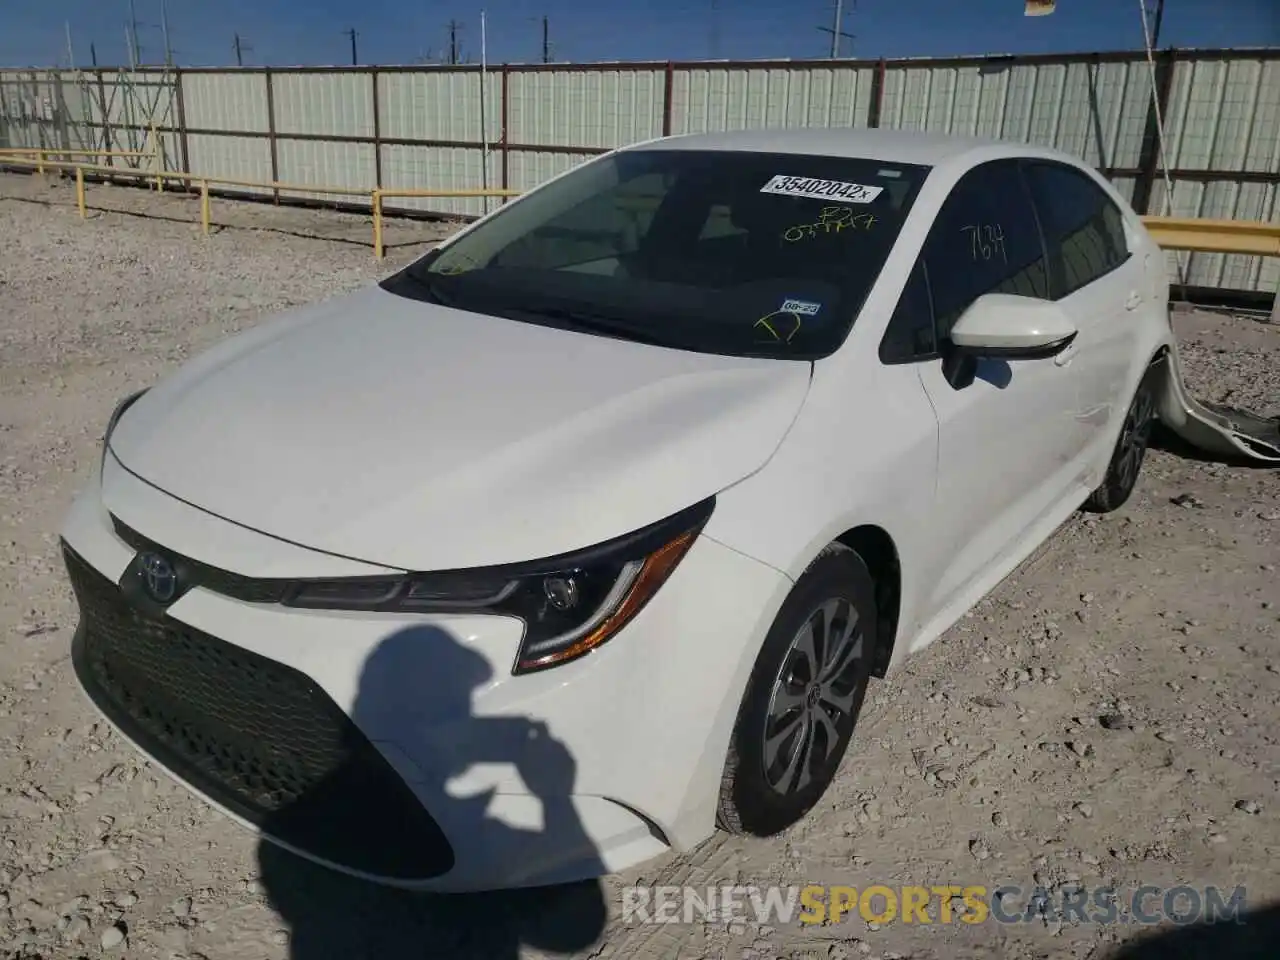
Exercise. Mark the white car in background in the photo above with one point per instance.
(585, 533)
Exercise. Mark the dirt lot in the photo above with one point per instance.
(1108, 717)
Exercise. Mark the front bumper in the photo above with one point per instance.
(400, 748)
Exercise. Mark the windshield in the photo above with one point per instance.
(748, 254)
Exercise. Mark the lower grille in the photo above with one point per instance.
(256, 736)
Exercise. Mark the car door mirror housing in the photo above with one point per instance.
(1009, 327)
(1003, 326)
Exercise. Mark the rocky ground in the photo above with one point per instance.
(1108, 716)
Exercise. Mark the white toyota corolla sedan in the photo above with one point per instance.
(585, 533)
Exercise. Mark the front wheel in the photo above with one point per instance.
(1131, 448)
(803, 698)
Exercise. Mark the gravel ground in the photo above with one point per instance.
(1109, 715)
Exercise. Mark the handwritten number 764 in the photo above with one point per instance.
(986, 241)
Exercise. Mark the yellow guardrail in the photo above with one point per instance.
(1248, 237)
(196, 181)
(379, 249)
(43, 155)
(1253, 237)
(48, 152)
(202, 184)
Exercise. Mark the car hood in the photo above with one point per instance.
(416, 436)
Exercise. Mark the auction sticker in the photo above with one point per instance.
(821, 189)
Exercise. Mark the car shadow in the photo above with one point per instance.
(422, 677)
(1255, 937)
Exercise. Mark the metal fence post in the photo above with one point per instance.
(271, 132)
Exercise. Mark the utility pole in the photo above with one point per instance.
(546, 40)
(714, 34)
(131, 35)
(164, 30)
(836, 31)
(453, 41)
(484, 129)
(240, 47)
(71, 50)
(1155, 27)
(164, 27)
(352, 34)
(93, 53)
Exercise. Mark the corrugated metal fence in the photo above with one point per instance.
(420, 126)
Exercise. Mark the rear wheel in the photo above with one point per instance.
(1131, 448)
(803, 698)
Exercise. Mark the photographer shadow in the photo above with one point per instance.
(421, 680)
(1256, 936)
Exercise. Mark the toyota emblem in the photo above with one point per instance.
(158, 576)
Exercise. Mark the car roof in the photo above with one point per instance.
(890, 146)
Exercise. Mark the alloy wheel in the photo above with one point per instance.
(814, 696)
(1134, 438)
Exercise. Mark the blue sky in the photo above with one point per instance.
(281, 32)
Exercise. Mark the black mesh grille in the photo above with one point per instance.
(254, 735)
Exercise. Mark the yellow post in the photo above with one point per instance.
(155, 158)
(377, 224)
(80, 191)
(204, 206)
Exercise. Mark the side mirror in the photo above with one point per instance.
(1003, 326)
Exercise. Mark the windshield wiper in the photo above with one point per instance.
(593, 323)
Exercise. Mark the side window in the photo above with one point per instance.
(909, 335)
(985, 240)
(1083, 227)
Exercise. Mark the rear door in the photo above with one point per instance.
(1095, 277)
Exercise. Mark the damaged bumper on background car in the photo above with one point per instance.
(1215, 428)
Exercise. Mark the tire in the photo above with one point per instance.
(1131, 447)
(761, 793)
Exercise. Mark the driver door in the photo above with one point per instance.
(1009, 441)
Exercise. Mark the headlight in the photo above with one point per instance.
(116, 414)
(570, 604)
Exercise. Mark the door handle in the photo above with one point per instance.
(1066, 356)
(1134, 301)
